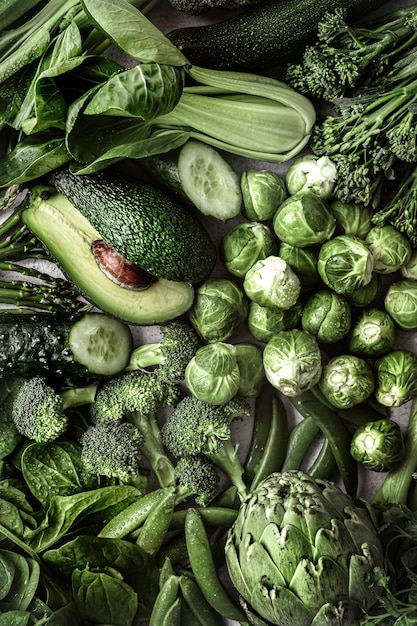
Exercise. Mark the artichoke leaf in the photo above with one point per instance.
(276, 543)
(280, 606)
(337, 614)
(256, 564)
(329, 542)
(319, 583)
(359, 567)
(362, 531)
(235, 572)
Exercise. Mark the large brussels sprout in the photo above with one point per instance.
(263, 191)
(244, 244)
(271, 282)
(292, 361)
(366, 294)
(378, 446)
(264, 321)
(409, 270)
(401, 303)
(327, 316)
(300, 552)
(372, 333)
(252, 374)
(351, 219)
(390, 248)
(303, 220)
(311, 173)
(213, 374)
(304, 263)
(218, 310)
(346, 380)
(345, 263)
(396, 377)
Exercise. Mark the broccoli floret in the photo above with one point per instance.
(135, 397)
(38, 410)
(171, 354)
(112, 449)
(196, 476)
(403, 137)
(197, 428)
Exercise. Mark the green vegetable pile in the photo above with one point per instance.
(128, 495)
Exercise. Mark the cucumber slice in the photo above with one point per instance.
(101, 343)
(209, 181)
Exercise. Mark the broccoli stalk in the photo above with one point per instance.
(134, 398)
(197, 428)
(38, 410)
(170, 354)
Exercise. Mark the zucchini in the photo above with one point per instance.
(35, 344)
(199, 175)
(142, 223)
(271, 33)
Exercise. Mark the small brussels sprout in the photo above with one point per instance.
(271, 282)
(303, 220)
(244, 244)
(378, 446)
(264, 322)
(390, 248)
(218, 310)
(372, 333)
(292, 361)
(396, 377)
(314, 174)
(263, 191)
(327, 316)
(401, 303)
(213, 374)
(409, 270)
(346, 381)
(365, 295)
(351, 219)
(252, 374)
(304, 263)
(345, 263)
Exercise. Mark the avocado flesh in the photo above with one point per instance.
(68, 236)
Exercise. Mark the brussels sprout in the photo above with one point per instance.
(327, 316)
(252, 374)
(351, 219)
(314, 174)
(401, 303)
(304, 263)
(365, 295)
(345, 263)
(409, 270)
(372, 333)
(346, 380)
(303, 220)
(213, 374)
(271, 282)
(390, 248)
(263, 191)
(292, 361)
(378, 446)
(264, 322)
(218, 310)
(244, 244)
(396, 377)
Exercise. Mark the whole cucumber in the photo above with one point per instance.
(268, 34)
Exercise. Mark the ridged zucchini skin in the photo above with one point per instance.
(269, 34)
(142, 223)
(37, 344)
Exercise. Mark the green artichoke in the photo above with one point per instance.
(299, 553)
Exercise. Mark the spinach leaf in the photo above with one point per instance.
(132, 32)
(16, 513)
(55, 468)
(21, 578)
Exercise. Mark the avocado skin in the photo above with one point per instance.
(142, 223)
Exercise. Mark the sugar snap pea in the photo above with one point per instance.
(204, 569)
(166, 598)
(300, 439)
(175, 549)
(324, 465)
(227, 497)
(197, 603)
(155, 527)
(212, 516)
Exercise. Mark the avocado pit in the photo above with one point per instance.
(116, 267)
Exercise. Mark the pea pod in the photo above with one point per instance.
(213, 516)
(335, 431)
(300, 440)
(226, 498)
(155, 527)
(175, 549)
(324, 465)
(204, 569)
(269, 436)
(197, 603)
(166, 598)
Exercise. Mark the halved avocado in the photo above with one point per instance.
(69, 236)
